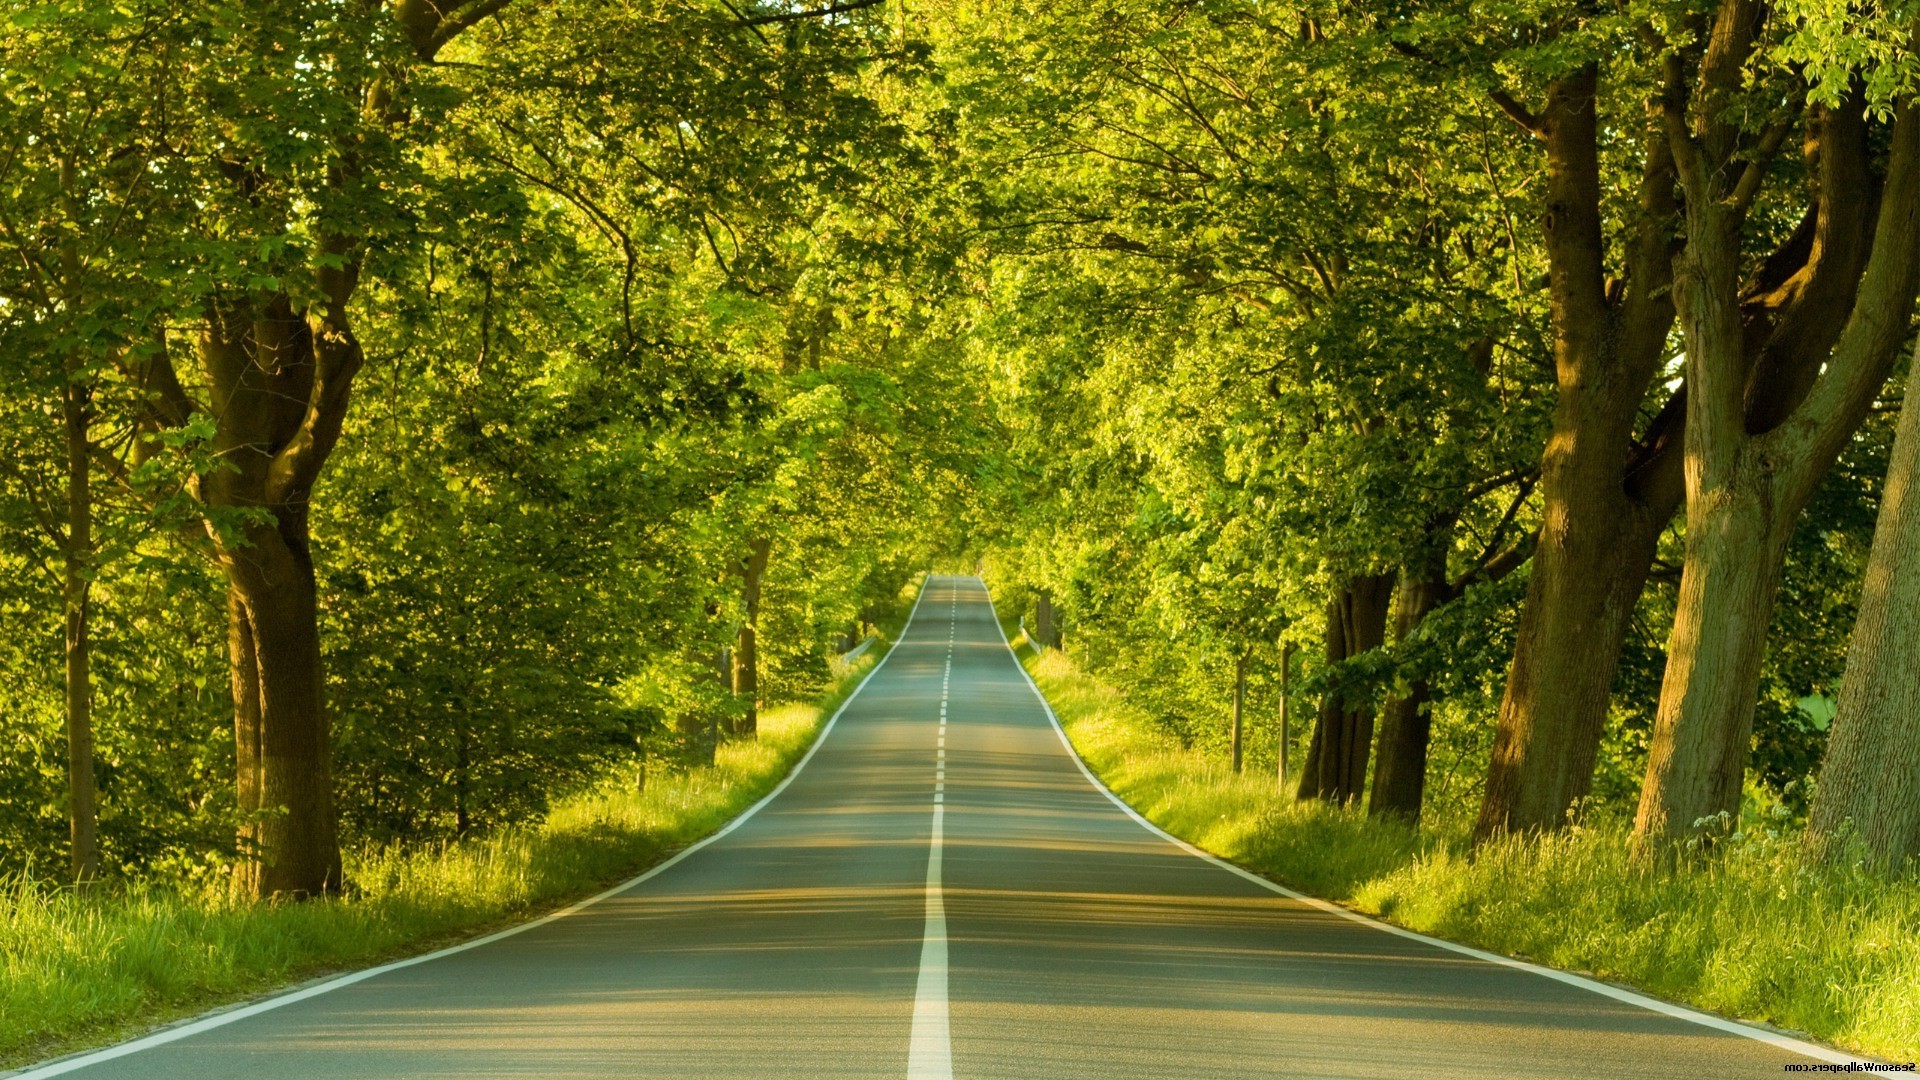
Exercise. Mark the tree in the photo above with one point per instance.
(1783, 362)
(76, 208)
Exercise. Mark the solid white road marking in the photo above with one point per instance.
(1678, 1012)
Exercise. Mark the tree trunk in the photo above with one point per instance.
(462, 766)
(1870, 782)
(1606, 496)
(746, 651)
(1239, 704)
(1735, 541)
(280, 724)
(1400, 770)
(279, 378)
(77, 571)
(1704, 725)
(1336, 768)
(1043, 619)
(267, 364)
(1286, 665)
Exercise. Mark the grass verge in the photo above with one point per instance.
(86, 969)
(1750, 934)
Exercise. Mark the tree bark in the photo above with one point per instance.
(83, 814)
(1239, 704)
(1336, 767)
(280, 722)
(1606, 496)
(1704, 725)
(1400, 770)
(1870, 782)
(746, 649)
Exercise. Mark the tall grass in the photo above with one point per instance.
(1749, 933)
(77, 969)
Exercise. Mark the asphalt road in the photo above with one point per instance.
(941, 892)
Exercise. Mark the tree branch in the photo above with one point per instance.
(451, 26)
(1528, 120)
(816, 13)
(1755, 173)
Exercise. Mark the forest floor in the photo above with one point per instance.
(1749, 934)
(80, 970)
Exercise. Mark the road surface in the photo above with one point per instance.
(940, 891)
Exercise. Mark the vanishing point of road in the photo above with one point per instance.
(941, 891)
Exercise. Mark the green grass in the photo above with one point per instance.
(1753, 934)
(77, 969)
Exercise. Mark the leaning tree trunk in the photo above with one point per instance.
(746, 649)
(77, 563)
(1400, 770)
(1870, 782)
(1336, 768)
(1735, 541)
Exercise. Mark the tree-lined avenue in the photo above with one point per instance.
(1075, 942)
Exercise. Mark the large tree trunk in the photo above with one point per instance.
(1704, 724)
(1400, 770)
(746, 649)
(83, 814)
(1870, 782)
(1735, 540)
(1336, 768)
(283, 747)
(1586, 579)
(1783, 374)
(1606, 496)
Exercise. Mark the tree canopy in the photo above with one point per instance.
(413, 411)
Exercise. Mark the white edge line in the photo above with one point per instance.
(220, 1019)
(1665, 1008)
